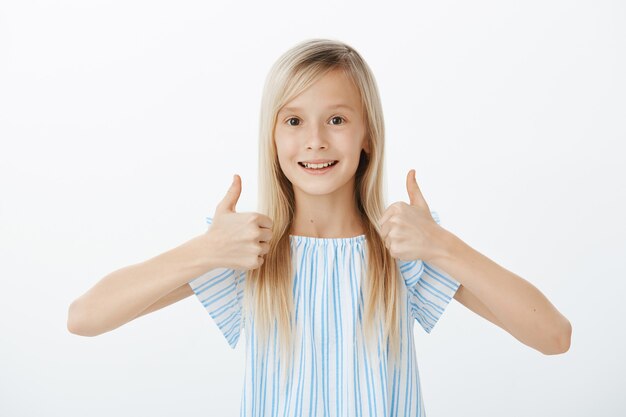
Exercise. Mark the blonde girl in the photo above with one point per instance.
(326, 279)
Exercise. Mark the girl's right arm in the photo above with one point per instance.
(141, 288)
(234, 240)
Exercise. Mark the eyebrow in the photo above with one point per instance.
(332, 107)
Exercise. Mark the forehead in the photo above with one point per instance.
(334, 90)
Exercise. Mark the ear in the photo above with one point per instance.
(366, 145)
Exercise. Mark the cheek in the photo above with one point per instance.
(285, 159)
(280, 148)
(285, 151)
(283, 163)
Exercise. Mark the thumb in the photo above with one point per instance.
(415, 195)
(228, 203)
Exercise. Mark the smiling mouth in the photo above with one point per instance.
(318, 166)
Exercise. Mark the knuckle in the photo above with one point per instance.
(253, 263)
(252, 234)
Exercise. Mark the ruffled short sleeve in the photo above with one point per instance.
(220, 291)
(430, 289)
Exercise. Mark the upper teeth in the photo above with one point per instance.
(317, 166)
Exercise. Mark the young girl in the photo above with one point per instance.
(326, 279)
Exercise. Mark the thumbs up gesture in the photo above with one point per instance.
(238, 240)
(409, 230)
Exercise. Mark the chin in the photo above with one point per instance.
(317, 190)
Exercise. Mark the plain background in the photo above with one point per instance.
(123, 122)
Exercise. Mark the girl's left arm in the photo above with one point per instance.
(410, 232)
(518, 307)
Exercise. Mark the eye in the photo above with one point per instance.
(338, 118)
(293, 118)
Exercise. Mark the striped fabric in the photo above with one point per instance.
(334, 374)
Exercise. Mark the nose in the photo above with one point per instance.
(316, 139)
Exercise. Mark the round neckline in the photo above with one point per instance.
(353, 239)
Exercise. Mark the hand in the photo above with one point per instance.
(408, 230)
(238, 240)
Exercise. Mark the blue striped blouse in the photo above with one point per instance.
(333, 375)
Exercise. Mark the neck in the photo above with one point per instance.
(326, 216)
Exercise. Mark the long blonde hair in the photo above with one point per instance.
(268, 291)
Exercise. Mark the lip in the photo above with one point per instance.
(320, 171)
(319, 161)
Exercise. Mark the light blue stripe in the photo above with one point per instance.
(212, 281)
(430, 289)
(274, 375)
(440, 277)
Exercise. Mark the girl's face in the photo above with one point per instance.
(323, 123)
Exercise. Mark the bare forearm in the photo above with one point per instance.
(121, 295)
(522, 309)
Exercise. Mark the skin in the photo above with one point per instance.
(309, 128)
(488, 289)
(408, 230)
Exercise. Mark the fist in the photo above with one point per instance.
(409, 230)
(238, 240)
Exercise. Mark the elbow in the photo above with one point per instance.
(76, 322)
(561, 340)
(566, 337)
